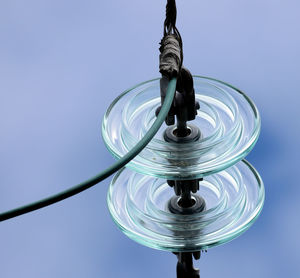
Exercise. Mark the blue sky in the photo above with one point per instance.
(61, 65)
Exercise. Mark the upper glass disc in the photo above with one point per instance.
(228, 120)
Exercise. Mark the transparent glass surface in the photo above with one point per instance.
(138, 205)
(228, 121)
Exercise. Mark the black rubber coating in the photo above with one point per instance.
(198, 206)
(193, 135)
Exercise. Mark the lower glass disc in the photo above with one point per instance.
(139, 206)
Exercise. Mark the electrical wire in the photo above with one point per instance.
(107, 172)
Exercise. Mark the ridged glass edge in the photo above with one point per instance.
(231, 235)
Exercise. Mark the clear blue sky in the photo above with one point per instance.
(61, 65)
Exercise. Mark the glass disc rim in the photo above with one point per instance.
(147, 168)
(165, 245)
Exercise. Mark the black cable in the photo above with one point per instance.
(171, 15)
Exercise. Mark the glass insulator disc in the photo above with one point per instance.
(139, 206)
(228, 121)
